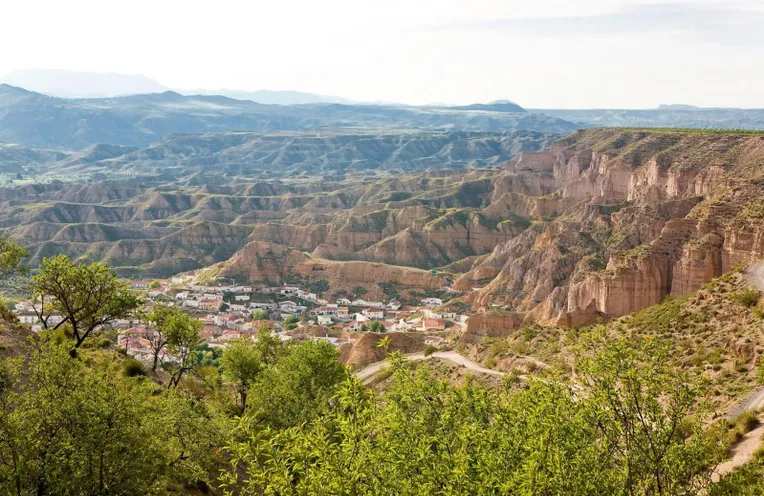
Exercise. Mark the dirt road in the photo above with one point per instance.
(453, 356)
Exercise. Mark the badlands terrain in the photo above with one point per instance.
(599, 224)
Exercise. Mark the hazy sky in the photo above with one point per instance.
(539, 53)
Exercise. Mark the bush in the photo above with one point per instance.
(133, 368)
(748, 297)
(429, 350)
(746, 421)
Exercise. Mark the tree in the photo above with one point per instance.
(71, 426)
(373, 326)
(86, 296)
(162, 329)
(260, 315)
(11, 256)
(291, 322)
(359, 291)
(642, 407)
(241, 363)
(183, 332)
(154, 285)
(269, 346)
(298, 386)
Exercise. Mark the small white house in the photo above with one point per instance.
(324, 320)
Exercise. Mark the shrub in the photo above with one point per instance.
(133, 368)
(746, 297)
(429, 350)
(746, 421)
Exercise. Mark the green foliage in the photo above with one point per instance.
(206, 356)
(133, 368)
(297, 386)
(359, 291)
(241, 364)
(747, 297)
(260, 315)
(11, 256)
(390, 290)
(429, 350)
(373, 326)
(182, 333)
(72, 429)
(319, 286)
(614, 437)
(154, 285)
(87, 296)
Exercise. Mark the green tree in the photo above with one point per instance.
(154, 285)
(11, 256)
(297, 386)
(86, 296)
(641, 408)
(71, 428)
(373, 326)
(241, 363)
(359, 291)
(291, 322)
(260, 315)
(164, 324)
(183, 336)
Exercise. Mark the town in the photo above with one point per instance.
(235, 312)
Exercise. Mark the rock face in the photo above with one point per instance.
(636, 216)
(265, 262)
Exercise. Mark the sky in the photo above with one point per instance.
(538, 53)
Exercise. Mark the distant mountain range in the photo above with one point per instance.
(680, 116)
(39, 120)
(74, 84)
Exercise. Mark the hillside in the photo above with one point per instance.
(272, 155)
(38, 120)
(678, 116)
(601, 224)
(634, 216)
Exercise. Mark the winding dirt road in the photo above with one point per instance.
(367, 372)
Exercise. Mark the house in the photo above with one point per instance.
(237, 308)
(183, 295)
(140, 284)
(393, 305)
(191, 303)
(230, 335)
(342, 312)
(244, 297)
(324, 320)
(210, 332)
(389, 325)
(327, 310)
(372, 313)
(27, 317)
(343, 301)
(288, 306)
(433, 340)
(289, 291)
(429, 325)
(212, 296)
(432, 302)
(209, 305)
(262, 306)
(359, 317)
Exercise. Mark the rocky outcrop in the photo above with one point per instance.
(642, 215)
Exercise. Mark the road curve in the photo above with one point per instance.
(367, 372)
